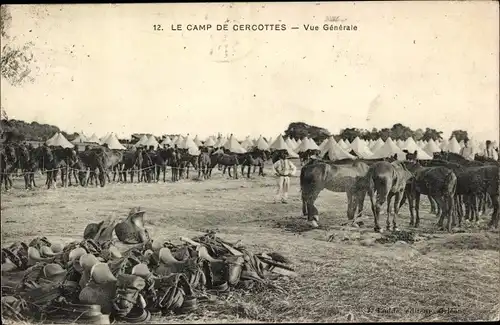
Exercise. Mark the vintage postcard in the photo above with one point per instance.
(250, 162)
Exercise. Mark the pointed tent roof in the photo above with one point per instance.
(80, 139)
(233, 145)
(335, 152)
(376, 145)
(400, 143)
(151, 142)
(461, 143)
(360, 148)
(187, 143)
(180, 139)
(52, 138)
(270, 140)
(59, 141)
(431, 147)
(324, 143)
(412, 146)
(210, 142)
(443, 144)
(167, 140)
(220, 142)
(261, 144)
(344, 144)
(104, 138)
(247, 143)
(197, 141)
(280, 144)
(93, 139)
(307, 144)
(389, 149)
(142, 140)
(453, 146)
(421, 144)
(113, 143)
(290, 144)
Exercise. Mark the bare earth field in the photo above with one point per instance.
(441, 277)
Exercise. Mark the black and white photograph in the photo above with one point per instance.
(259, 162)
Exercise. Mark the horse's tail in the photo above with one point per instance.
(450, 183)
(377, 184)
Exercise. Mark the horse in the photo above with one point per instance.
(254, 158)
(228, 159)
(53, 159)
(173, 158)
(28, 164)
(318, 175)
(439, 183)
(186, 160)
(386, 180)
(93, 160)
(8, 164)
(204, 165)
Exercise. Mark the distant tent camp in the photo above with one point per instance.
(81, 138)
(280, 144)
(307, 144)
(247, 143)
(151, 142)
(58, 140)
(335, 152)
(376, 145)
(210, 142)
(388, 149)
(411, 146)
(113, 143)
(166, 141)
(261, 144)
(142, 141)
(431, 147)
(360, 148)
(453, 146)
(344, 144)
(93, 139)
(197, 141)
(233, 145)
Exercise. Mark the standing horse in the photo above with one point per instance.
(27, 166)
(255, 158)
(186, 160)
(228, 159)
(386, 180)
(317, 175)
(173, 158)
(440, 183)
(204, 164)
(8, 165)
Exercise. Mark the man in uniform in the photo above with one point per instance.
(489, 152)
(283, 168)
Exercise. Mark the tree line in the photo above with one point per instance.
(398, 131)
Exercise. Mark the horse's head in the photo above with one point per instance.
(410, 156)
(441, 155)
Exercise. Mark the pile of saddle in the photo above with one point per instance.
(95, 282)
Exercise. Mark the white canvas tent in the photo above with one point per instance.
(453, 146)
(93, 139)
(113, 143)
(389, 149)
(234, 146)
(360, 148)
(210, 142)
(81, 138)
(431, 147)
(411, 146)
(151, 142)
(307, 144)
(247, 143)
(261, 144)
(334, 151)
(58, 140)
(280, 144)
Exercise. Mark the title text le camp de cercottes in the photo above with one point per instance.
(261, 27)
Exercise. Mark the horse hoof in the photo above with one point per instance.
(313, 224)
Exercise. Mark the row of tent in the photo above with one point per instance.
(342, 149)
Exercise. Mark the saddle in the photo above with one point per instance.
(100, 285)
(191, 267)
(132, 231)
(101, 232)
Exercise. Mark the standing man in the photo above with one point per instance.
(489, 152)
(467, 151)
(283, 168)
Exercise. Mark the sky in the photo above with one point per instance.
(103, 68)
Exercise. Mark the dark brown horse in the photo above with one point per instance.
(204, 165)
(386, 180)
(228, 159)
(8, 164)
(318, 175)
(440, 183)
(255, 158)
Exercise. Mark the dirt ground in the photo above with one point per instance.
(439, 277)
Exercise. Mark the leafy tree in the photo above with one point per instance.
(432, 134)
(350, 133)
(300, 130)
(418, 134)
(400, 131)
(459, 135)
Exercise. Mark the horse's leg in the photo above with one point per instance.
(236, 171)
(228, 170)
(441, 202)
(243, 170)
(254, 168)
(312, 211)
(375, 210)
(433, 204)
(387, 221)
(248, 173)
(494, 217)
(397, 198)
(26, 180)
(474, 207)
(350, 204)
(417, 209)
(224, 170)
